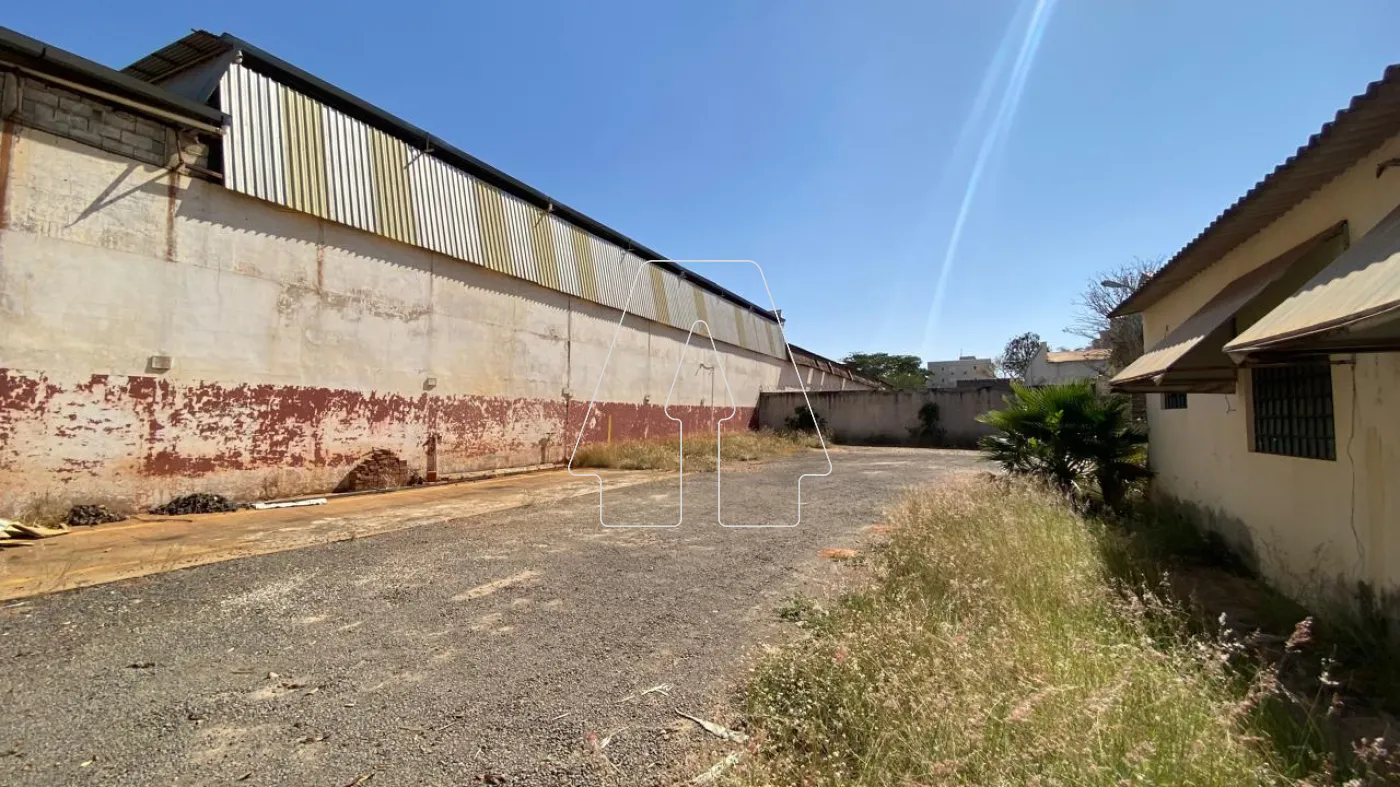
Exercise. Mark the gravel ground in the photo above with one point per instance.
(500, 649)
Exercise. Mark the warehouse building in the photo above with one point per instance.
(220, 273)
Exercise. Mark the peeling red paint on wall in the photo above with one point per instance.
(147, 433)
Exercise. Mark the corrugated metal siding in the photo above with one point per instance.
(347, 171)
(722, 324)
(392, 200)
(564, 256)
(287, 148)
(253, 145)
(583, 263)
(701, 312)
(642, 300)
(607, 273)
(517, 219)
(305, 159)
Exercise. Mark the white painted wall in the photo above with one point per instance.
(1310, 522)
(297, 344)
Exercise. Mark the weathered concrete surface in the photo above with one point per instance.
(434, 655)
(296, 345)
(149, 544)
(886, 417)
(144, 439)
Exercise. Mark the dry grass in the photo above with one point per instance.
(993, 647)
(699, 451)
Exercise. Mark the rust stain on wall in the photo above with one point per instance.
(172, 201)
(162, 430)
(7, 145)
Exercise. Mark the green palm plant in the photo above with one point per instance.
(1068, 435)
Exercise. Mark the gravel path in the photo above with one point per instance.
(500, 649)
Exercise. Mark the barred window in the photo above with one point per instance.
(1173, 401)
(1293, 411)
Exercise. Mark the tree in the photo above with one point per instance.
(1121, 336)
(1018, 354)
(905, 372)
(1068, 435)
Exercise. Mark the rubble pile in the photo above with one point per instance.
(90, 515)
(197, 503)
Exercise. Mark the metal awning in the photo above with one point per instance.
(1192, 358)
(1352, 305)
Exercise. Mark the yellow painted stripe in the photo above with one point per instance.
(303, 154)
(546, 261)
(700, 311)
(583, 258)
(739, 320)
(393, 200)
(658, 294)
(491, 217)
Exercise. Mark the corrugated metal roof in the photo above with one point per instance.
(1190, 357)
(193, 49)
(1371, 118)
(1359, 288)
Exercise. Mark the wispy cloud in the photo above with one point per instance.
(990, 136)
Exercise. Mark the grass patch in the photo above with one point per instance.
(664, 454)
(996, 643)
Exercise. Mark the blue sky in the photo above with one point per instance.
(835, 142)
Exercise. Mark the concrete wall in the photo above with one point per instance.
(947, 374)
(1309, 522)
(297, 345)
(884, 417)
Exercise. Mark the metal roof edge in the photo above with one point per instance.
(115, 81)
(1349, 124)
(837, 367)
(362, 110)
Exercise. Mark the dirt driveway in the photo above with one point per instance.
(504, 648)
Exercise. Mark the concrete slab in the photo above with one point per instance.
(149, 544)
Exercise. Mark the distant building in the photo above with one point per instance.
(947, 374)
(1049, 368)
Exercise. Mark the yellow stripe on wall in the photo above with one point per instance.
(393, 205)
(546, 261)
(700, 312)
(583, 258)
(491, 215)
(658, 294)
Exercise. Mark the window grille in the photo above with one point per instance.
(1293, 411)
(1173, 401)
